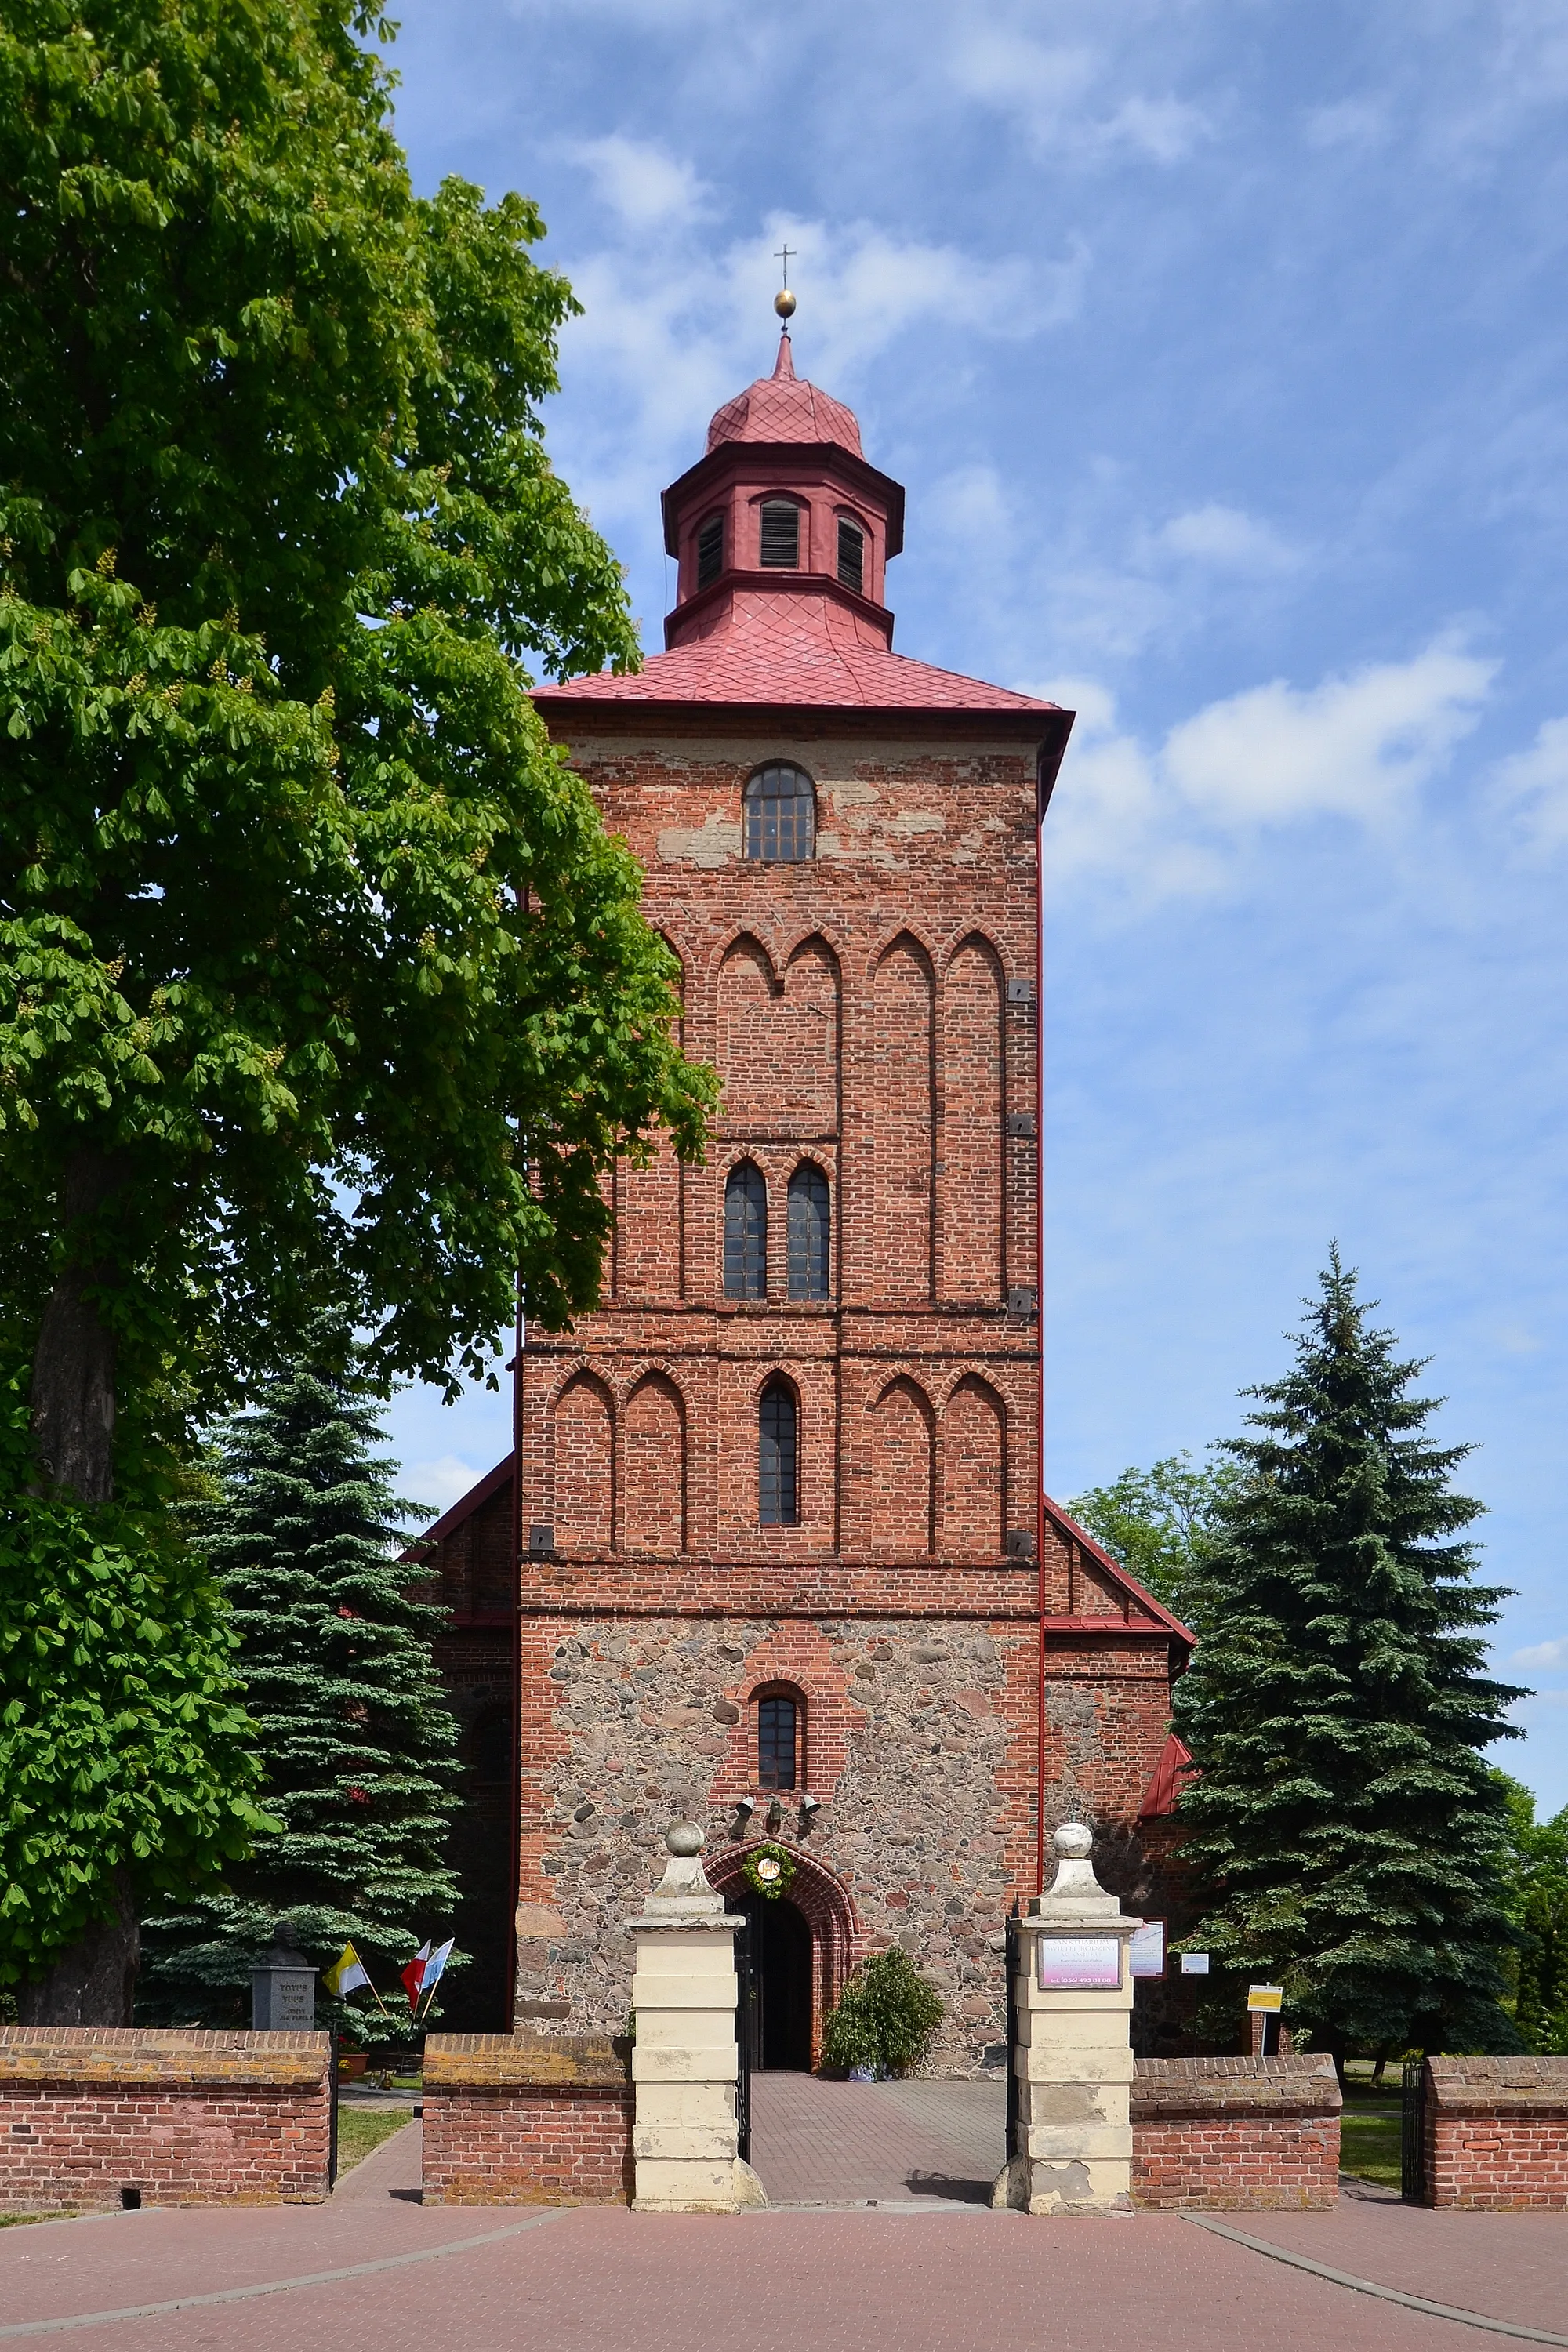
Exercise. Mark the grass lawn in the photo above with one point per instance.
(1369, 2144)
(360, 2129)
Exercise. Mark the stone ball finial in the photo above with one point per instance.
(684, 1838)
(1074, 1842)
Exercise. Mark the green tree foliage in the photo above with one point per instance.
(356, 1744)
(885, 2016)
(1351, 1838)
(321, 984)
(1163, 1524)
(1538, 1909)
(125, 1750)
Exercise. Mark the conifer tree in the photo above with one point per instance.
(355, 1739)
(1351, 1839)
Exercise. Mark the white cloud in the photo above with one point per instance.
(1359, 746)
(1168, 821)
(1047, 92)
(646, 187)
(442, 1482)
(1546, 1654)
(1228, 539)
(1354, 122)
(1535, 785)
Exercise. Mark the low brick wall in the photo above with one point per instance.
(1496, 2133)
(1236, 2134)
(184, 2117)
(527, 2119)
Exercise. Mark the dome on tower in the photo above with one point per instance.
(781, 407)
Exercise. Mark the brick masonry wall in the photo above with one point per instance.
(871, 1011)
(187, 2119)
(1236, 2134)
(1496, 2133)
(527, 2120)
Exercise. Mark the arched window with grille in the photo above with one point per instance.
(777, 1483)
(809, 1233)
(781, 814)
(745, 1231)
(781, 1744)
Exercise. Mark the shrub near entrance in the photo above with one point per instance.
(884, 2019)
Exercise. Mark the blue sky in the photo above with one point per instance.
(1221, 347)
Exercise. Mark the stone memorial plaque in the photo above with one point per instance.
(1078, 1963)
(1146, 1952)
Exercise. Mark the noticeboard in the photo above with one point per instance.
(1146, 1952)
(1078, 1963)
(1266, 1998)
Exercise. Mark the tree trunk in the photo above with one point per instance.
(94, 1982)
(73, 1366)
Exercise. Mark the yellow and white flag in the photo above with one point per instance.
(349, 1972)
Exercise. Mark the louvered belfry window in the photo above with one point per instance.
(808, 1233)
(851, 555)
(777, 1497)
(745, 1232)
(781, 814)
(777, 1744)
(779, 548)
(711, 550)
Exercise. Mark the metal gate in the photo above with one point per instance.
(748, 2021)
(1413, 2134)
(1013, 1944)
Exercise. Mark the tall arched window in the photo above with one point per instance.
(781, 814)
(779, 1758)
(809, 1232)
(745, 1232)
(777, 1496)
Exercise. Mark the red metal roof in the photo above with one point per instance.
(781, 407)
(799, 646)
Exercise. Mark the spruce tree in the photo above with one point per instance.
(1350, 1837)
(355, 1739)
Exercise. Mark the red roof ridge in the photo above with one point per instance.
(1067, 1525)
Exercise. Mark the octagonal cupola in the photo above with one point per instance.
(782, 504)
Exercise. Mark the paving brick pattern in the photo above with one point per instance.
(817, 2143)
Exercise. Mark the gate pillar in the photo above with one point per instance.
(684, 2137)
(1072, 2051)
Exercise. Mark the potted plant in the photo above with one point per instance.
(883, 2020)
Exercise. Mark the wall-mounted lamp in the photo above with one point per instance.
(809, 1809)
(745, 1807)
(775, 1815)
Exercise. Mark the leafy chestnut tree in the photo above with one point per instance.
(320, 984)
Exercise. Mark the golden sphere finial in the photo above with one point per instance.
(784, 303)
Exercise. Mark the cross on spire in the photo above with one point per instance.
(786, 255)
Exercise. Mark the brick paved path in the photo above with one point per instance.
(927, 2276)
(816, 2143)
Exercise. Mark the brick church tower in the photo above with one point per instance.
(785, 1565)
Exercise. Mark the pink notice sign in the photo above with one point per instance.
(1080, 1964)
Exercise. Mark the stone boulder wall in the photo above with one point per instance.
(1236, 2134)
(179, 2118)
(1496, 2133)
(528, 2119)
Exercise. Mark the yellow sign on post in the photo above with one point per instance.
(1265, 1996)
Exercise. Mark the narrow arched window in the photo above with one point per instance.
(781, 814)
(745, 1232)
(778, 1504)
(851, 555)
(778, 534)
(778, 1743)
(809, 1232)
(710, 551)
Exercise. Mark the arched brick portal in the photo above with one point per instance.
(823, 1901)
